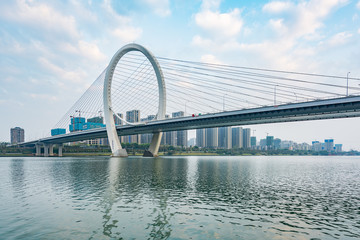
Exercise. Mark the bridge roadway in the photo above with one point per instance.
(313, 110)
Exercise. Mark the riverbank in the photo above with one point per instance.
(89, 154)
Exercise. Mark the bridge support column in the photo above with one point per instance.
(38, 150)
(120, 153)
(60, 152)
(51, 150)
(46, 150)
(154, 145)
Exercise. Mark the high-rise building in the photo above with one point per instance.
(237, 137)
(269, 142)
(91, 123)
(246, 138)
(76, 123)
(57, 131)
(96, 120)
(17, 135)
(211, 137)
(177, 114)
(191, 142)
(329, 145)
(117, 120)
(179, 138)
(316, 146)
(147, 137)
(133, 116)
(287, 145)
(263, 144)
(171, 138)
(338, 148)
(304, 146)
(200, 137)
(277, 143)
(253, 142)
(225, 139)
(165, 140)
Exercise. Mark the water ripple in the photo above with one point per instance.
(180, 198)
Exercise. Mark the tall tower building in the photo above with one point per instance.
(200, 137)
(147, 137)
(237, 137)
(17, 135)
(211, 137)
(133, 116)
(277, 143)
(253, 142)
(117, 120)
(269, 142)
(165, 135)
(246, 138)
(225, 139)
(316, 146)
(179, 138)
(329, 145)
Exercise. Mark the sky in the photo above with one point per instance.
(52, 51)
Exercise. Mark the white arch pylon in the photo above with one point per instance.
(116, 149)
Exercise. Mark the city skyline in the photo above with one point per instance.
(46, 69)
(217, 137)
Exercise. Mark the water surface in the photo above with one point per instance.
(180, 198)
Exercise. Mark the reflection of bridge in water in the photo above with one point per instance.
(225, 95)
(182, 197)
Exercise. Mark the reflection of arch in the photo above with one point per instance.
(108, 112)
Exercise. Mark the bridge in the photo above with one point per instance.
(219, 95)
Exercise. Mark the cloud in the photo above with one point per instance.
(74, 77)
(291, 31)
(278, 25)
(339, 39)
(4, 91)
(120, 26)
(160, 7)
(90, 50)
(127, 34)
(209, 58)
(358, 5)
(277, 7)
(201, 42)
(222, 24)
(303, 19)
(210, 4)
(46, 97)
(40, 16)
(83, 49)
(10, 102)
(219, 29)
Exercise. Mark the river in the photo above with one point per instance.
(205, 197)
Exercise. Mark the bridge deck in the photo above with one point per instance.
(305, 111)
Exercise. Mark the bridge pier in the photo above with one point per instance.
(51, 150)
(46, 150)
(60, 150)
(120, 153)
(38, 150)
(154, 146)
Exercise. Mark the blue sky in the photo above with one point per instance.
(51, 51)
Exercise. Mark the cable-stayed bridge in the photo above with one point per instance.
(148, 90)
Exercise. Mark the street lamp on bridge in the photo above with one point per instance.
(347, 84)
